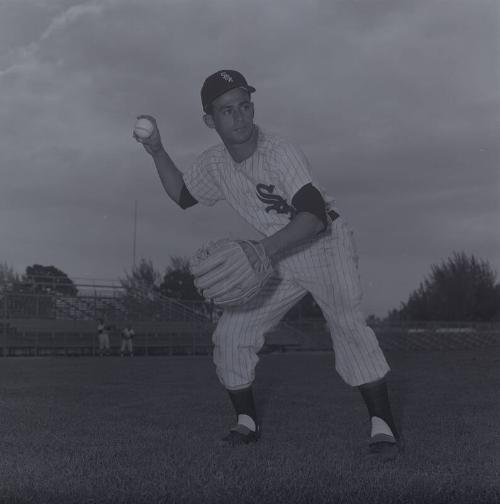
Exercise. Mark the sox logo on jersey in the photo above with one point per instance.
(274, 202)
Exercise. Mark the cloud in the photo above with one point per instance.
(21, 56)
(73, 14)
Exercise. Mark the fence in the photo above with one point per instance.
(55, 324)
(408, 336)
(52, 324)
(39, 337)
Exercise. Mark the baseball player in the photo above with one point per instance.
(127, 336)
(103, 337)
(268, 181)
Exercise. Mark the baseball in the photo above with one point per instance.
(143, 128)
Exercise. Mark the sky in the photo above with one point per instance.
(395, 103)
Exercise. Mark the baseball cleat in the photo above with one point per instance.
(241, 435)
(384, 446)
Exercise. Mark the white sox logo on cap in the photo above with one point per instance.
(226, 77)
(219, 83)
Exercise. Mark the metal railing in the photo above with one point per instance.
(114, 307)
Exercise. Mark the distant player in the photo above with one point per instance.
(268, 181)
(128, 334)
(103, 338)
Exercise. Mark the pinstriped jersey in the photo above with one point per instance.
(259, 188)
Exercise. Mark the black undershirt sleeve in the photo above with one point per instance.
(309, 199)
(186, 199)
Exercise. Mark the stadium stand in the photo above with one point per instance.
(57, 324)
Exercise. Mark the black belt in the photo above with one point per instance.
(333, 215)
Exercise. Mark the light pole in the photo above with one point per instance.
(135, 236)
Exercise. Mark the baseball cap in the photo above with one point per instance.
(221, 82)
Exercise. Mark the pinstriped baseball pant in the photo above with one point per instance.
(327, 267)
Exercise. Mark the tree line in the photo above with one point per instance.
(460, 288)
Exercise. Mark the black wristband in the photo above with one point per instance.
(186, 199)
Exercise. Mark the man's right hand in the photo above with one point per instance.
(152, 144)
(170, 176)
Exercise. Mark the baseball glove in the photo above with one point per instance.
(231, 272)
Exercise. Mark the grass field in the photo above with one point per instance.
(147, 430)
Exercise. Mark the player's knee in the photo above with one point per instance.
(234, 378)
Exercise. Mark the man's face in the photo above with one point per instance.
(232, 116)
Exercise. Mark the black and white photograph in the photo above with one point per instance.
(250, 252)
